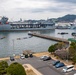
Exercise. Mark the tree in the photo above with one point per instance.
(60, 45)
(72, 51)
(51, 48)
(74, 58)
(3, 67)
(16, 69)
(73, 44)
(56, 46)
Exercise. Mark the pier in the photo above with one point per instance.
(49, 37)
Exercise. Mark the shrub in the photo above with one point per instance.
(16, 69)
(51, 48)
(3, 67)
(57, 57)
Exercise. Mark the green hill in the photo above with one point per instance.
(67, 18)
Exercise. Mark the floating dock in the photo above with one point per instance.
(49, 37)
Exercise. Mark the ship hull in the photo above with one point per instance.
(27, 29)
(8, 28)
(24, 26)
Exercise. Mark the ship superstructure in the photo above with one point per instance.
(25, 25)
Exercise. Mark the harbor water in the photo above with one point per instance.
(16, 42)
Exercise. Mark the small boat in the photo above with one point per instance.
(62, 33)
(73, 34)
(25, 38)
(2, 37)
(29, 33)
(18, 38)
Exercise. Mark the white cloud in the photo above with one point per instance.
(36, 9)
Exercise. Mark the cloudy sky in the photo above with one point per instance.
(36, 9)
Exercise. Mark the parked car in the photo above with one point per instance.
(68, 68)
(74, 73)
(30, 55)
(44, 58)
(22, 56)
(55, 62)
(12, 58)
(59, 65)
(26, 55)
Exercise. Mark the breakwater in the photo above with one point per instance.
(49, 37)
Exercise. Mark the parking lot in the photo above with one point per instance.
(45, 67)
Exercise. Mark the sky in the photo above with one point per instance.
(36, 9)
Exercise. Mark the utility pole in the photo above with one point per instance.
(13, 47)
(68, 51)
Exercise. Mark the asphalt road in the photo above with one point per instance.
(45, 67)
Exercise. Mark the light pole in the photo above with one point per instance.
(13, 47)
(68, 51)
(13, 44)
(13, 40)
(62, 34)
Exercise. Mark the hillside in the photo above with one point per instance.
(67, 18)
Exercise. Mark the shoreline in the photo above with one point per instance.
(7, 58)
(39, 54)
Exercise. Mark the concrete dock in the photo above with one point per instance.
(49, 37)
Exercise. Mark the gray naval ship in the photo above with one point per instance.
(22, 26)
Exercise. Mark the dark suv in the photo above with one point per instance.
(55, 62)
(12, 58)
(46, 58)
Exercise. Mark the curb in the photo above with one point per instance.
(35, 71)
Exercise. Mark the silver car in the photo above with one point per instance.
(45, 57)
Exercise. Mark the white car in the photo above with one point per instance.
(22, 56)
(68, 68)
(42, 57)
(45, 58)
(74, 73)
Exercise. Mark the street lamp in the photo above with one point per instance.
(13, 47)
(62, 34)
(13, 44)
(68, 51)
(13, 40)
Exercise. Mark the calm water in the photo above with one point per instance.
(10, 45)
